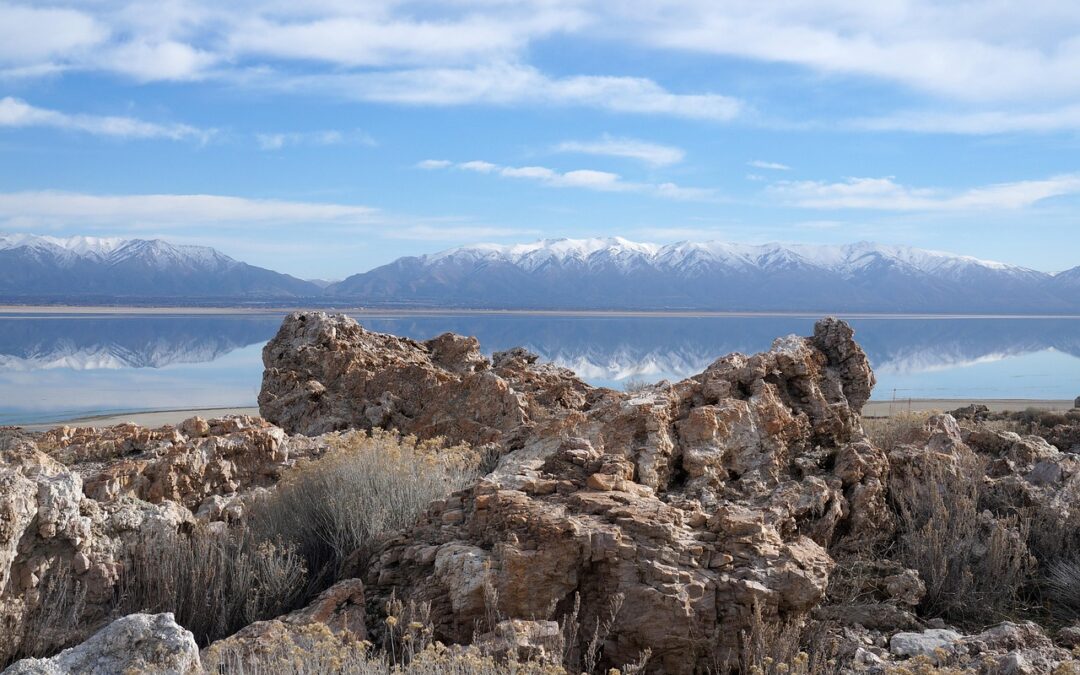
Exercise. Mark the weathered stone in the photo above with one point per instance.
(137, 643)
(925, 643)
(696, 502)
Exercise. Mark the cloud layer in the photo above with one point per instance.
(16, 113)
(588, 179)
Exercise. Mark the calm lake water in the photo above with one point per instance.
(55, 367)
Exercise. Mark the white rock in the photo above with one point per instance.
(137, 643)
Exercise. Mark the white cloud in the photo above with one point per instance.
(772, 166)
(588, 179)
(454, 232)
(149, 62)
(38, 209)
(1066, 118)
(30, 35)
(278, 141)
(507, 84)
(478, 166)
(1010, 52)
(653, 154)
(888, 195)
(1004, 51)
(16, 113)
(431, 164)
(380, 39)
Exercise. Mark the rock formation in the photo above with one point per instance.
(699, 502)
(692, 512)
(137, 643)
(72, 500)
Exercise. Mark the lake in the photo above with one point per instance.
(59, 366)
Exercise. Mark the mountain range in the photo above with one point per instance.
(620, 274)
(35, 268)
(578, 274)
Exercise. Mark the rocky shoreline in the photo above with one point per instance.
(741, 520)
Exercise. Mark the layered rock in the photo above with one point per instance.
(699, 503)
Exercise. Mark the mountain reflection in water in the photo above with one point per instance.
(57, 366)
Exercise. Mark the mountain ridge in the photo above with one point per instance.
(552, 274)
(616, 273)
(79, 267)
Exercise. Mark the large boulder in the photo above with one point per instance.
(137, 643)
(701, 504)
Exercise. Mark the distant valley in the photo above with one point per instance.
(569, 274)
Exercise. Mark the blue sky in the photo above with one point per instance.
(327, 139)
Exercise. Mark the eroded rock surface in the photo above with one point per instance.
(697, 501)
(72, 500)
(137, 643)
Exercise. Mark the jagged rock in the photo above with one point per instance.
(1069, 636)
(697, 501)
(326, 373)
(137, 643)
(972, 412)
(927, 643)
(70, 524)
(187, 464)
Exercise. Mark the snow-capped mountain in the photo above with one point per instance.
(620, 274)
(38, 267)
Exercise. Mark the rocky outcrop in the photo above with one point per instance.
(72, 500)
(326, 373)
(185, 464)
(137, 643)
(699, 503)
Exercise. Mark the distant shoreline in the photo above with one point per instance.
(377, 311)
(873, 408)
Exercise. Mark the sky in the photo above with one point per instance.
(327, 137)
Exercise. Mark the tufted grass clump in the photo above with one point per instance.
(367, 486)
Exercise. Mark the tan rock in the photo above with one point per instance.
(694, 501)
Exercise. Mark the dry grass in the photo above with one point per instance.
(973, 563)
(56, 621)
(634, 385)
(889, 433)
(214, 583)
(366, 487)
(314, 650)
(785, 648)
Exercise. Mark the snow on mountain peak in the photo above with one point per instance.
(687, 255)
(114, 249)
(80, 246)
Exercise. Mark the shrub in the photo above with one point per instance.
(1063, 587)
(214, 583)
(57, 620)
(889, 433)
(364, 488)
(973, 563)
(314, 650)
(634, 385)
